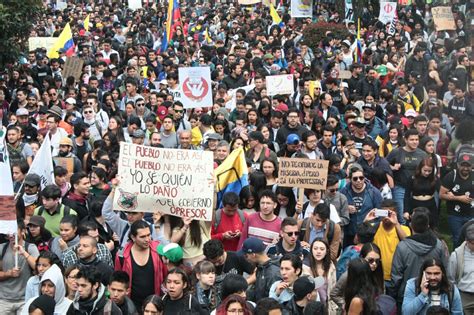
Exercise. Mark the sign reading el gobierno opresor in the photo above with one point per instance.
(176, 182)
(303, 173)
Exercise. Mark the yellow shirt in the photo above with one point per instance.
(387, 241)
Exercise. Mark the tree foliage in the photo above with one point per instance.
(314, 33)
(16, 21)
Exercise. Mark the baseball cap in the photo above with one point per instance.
(37, 220)
(369, 106)
(305, 285)
(139, 133)
(214, 136)
(66, 141)
(172, 251)
(281, 108)
(32, 180)
(359, 121)
(466, 157)
(22, 112)
(268, 56)
(253, 245)
(292, 139)
(164, 82)
(162, 112)
(411, 113)
(71, 101)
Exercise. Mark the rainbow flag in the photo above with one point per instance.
(173, 16)
(358, 48)
(231, 175)
(276, 19)
(65, 42)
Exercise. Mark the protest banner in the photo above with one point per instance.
(388, 11)
(176, 182)
(280, 84)
(249, 2)
(195, 84)
(348, 11)
(43, 163)
(301, 8)
(41, 42)
(67, 163)
(443, 19)
(61, 5)
(73, 68)
(135, 4)
(7, 200)
(232, 102)
(303, 173)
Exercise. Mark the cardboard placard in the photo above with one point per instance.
(73, 67)
(67, 163)
(303, 173)
(302, 8)
(196, 86)
(176, 182)
(443, 18)
(345, 74)
(41, 42)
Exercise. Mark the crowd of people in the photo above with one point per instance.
(398, 135)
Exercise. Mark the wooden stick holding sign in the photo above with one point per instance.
(303, 173)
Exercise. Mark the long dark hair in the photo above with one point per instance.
(386, 140)
(362, 285)
(155, 300)
(290, 208)
(326, 260)
(378, 273)
(430, 162)
(444, 286)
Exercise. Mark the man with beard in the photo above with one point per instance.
(17, 150)
(292, 145)
(91, 297)
(155, 140)
(431, 287)
(80, 140)
(87, 253)
(23, 117)
(65, 152)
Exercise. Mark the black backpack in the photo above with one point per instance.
(5, 248)
(15, 154)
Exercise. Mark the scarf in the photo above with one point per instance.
(29, 199)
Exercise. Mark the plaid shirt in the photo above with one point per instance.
(70, 257)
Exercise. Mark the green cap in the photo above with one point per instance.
(382, 70)
(172, 251)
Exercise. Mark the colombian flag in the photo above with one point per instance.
(65, 42)
(173, 16)
(231, 175)
(358, 50)
(276, 19)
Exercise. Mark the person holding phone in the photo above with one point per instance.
(431, 288)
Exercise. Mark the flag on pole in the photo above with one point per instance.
(173, 17)
(358, 48)
(43, 163)
(207, 37)
(64, 42)
(231, 175)
(86, 23)
(276, 19)
(7, 199)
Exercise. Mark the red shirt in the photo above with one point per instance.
(232, 224)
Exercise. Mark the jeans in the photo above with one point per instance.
(455, 225)
(398, 194)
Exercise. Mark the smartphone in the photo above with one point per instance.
(380, 213)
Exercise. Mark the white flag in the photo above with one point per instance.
(7, 200)
(43, 164)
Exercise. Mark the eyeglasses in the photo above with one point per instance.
(333, 190)
(373, 260)
(140, 104)
(290, 234)
(358, 178)
(52, 94)
(88, 112)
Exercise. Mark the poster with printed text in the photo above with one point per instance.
(388, 11)
(176, 182)
(195, 86)
(302, 8)
(443, 18)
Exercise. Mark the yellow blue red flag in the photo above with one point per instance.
(64, 42)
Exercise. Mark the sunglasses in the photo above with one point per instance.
(290, 234)
(88, 112)
(358, 178)
(141, 104)
(333, 190)
(30, 186)
(373, 260)
(178, 110)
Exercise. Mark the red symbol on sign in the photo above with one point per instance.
(388, 8)
(196, 88)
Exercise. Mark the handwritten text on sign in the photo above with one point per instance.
(176, 182)
(303, 173)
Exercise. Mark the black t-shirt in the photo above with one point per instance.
(408, 164)
(458, 186)
(142, 281)
(358, 200)
(81, 151)
(181, 306)
(234, 264)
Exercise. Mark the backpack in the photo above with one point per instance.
(5, 248)
(465, 148)
(65, 209)
(386, 305)
(219, 217)
(15, 154)
(305, 224)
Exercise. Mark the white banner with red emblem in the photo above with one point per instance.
(195, 86)
(388, 11)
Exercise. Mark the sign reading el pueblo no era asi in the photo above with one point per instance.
(303, 173)
(176, 182)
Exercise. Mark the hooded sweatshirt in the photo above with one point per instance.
(410, 255)
(54, 275)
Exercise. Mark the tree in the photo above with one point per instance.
(16, 22)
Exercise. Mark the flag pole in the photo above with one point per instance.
(16, 252)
